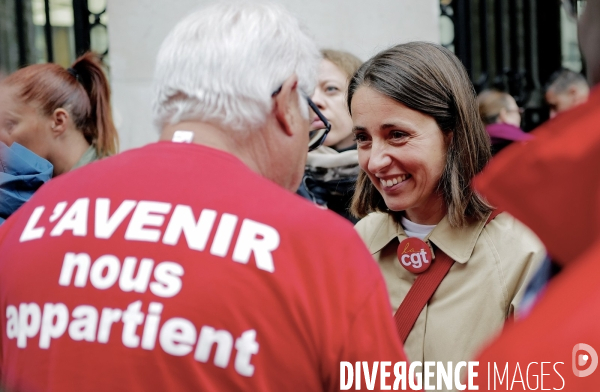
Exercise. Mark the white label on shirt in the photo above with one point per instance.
(183, 137)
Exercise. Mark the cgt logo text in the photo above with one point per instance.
(439, 376)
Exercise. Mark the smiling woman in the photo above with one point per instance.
(427, 81)
(420, 143)
(388, 132)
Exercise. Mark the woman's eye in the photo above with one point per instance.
(331, 89)
(397, 134)
(360, 138)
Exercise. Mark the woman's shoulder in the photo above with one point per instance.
(372, 221)
(511, 238)
(507, 227)
(375, 228)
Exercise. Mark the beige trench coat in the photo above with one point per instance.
(494, 264)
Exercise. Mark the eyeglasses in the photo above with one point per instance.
(318, 136)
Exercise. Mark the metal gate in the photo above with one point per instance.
(50, 31)
(512, 45)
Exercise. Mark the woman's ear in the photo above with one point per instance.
(60, 122)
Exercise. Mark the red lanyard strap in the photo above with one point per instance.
(422, 290)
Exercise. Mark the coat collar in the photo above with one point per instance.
(90, 155)
(458, 243)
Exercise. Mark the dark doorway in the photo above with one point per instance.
(512, 45)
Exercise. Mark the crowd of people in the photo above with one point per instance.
(224, 257)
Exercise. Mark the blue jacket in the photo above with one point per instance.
(21, 173)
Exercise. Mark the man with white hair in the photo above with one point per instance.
(185, 264)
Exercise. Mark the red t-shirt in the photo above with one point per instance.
(175, 267)
(552, 185)
(554, 335)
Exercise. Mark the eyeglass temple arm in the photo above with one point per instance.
(315, 109)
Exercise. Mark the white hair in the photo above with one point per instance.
(222, 64)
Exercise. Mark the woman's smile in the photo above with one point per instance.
(390, 184)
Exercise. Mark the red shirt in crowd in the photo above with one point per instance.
(175, 267)
(552, 185)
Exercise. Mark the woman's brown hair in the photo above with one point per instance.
(82, 90)
(430, 79)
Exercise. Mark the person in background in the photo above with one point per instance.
(189, 264)
(502, 118)
(62, 115)
(420, 142)
(552, 185)
(331, 170)
(566, 89)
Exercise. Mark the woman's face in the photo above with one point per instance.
(330, 98)
(22, 123)
(403, 152)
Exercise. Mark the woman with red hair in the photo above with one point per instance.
(62, 115)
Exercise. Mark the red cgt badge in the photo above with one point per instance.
(414, 255)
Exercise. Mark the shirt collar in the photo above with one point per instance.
(458, 243)
(88, 156)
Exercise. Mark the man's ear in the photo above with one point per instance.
(284, 102)
(60, 120)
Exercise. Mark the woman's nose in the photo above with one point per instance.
(317, 98)
(379, 159)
